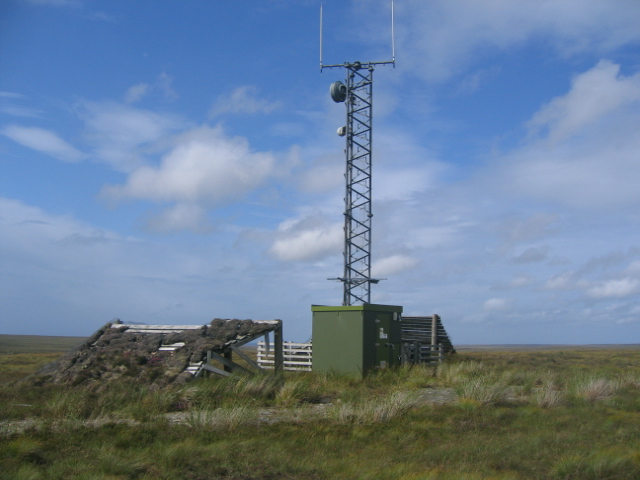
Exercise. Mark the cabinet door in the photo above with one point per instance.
(387, 340)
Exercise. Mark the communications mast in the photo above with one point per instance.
(357, 94)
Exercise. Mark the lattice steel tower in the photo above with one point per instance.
(357, 95)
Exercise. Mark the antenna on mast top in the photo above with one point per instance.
(393, 44)
(320, 37)
(393, 37)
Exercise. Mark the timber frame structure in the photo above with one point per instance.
(224, 356)
(219, 359)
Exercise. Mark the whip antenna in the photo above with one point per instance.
(320, 37)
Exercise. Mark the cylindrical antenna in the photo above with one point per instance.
(320, 37)
(393, 37)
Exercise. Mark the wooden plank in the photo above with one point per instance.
(271, 322)
(171, 348)
(213, 369)
(288, 344)
(144, 328)
(291, 351)
(288, 362)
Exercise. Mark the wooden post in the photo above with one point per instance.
(434, 338)
(207, 363)
(228, 354)
(278, 348)
(434, 330)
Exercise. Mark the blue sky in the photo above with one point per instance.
(176, 161)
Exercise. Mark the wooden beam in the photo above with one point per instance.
(226, 362)
(213, 369)
(246, 358)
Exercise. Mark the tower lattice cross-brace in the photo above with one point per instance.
(356, 275)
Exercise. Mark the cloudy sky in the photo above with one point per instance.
(175, 161)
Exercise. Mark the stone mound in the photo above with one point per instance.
(120, 352)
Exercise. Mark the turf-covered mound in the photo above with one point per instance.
(117, 351)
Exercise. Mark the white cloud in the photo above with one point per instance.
(521, 228)
(162, 85)
(616, 288)
(11, 95)
(588, 156)
(182, 216)
(432, 237)
(136, 92)
(532, 255)
(243, 99)
(496, 304)
(634, 267)
(32, 235)
(25, 112)
(43, 141)
(9, 106)
(593, 95)
(560, 281)
(326, 174)
(401, 183)
(203, 166)
(448, 35)
(79, 276)
(121, 135)
(520, 281)
(307, 238)
(393, 265)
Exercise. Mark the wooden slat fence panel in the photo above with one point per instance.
(419, 329)
(420, 344)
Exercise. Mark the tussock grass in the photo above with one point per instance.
(612, 464)
(592, 389)
(374, 410)
(483, 390)
(549, 396)
(554, 415)
(223, 418)
(301, 389)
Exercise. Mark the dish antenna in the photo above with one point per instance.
(357, 95)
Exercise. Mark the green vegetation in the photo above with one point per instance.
(561, 414)
(37, 344)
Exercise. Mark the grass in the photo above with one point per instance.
(571, 414)
(10, 344)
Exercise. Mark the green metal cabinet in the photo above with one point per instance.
(356, 339)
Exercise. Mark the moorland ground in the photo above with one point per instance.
(486, 413)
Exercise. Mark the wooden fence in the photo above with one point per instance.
(424, 340)
(417, 352)
(296, 356)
